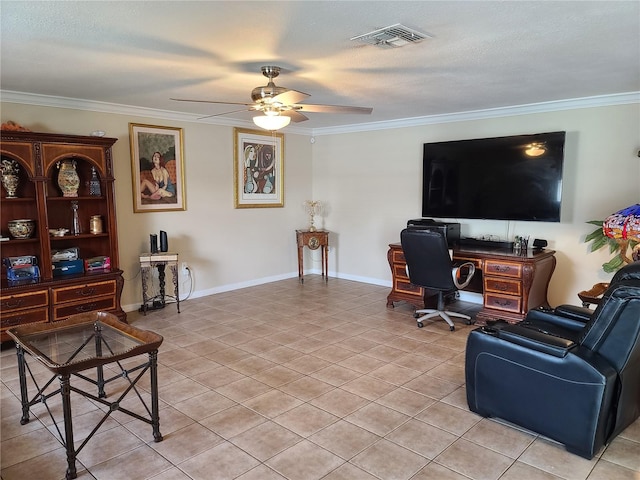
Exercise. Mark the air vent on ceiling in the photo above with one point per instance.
(393, 36)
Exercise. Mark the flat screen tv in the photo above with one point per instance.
(504, 178)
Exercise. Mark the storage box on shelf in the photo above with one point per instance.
(40, 161)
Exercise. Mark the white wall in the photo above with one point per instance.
(370, 183)
(225, 247)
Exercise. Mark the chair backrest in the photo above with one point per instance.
(614, 333)
(614, 326)
(428, 260)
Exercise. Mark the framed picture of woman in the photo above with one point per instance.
(258, 168)
(157, 168)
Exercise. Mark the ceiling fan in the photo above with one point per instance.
(280, 105)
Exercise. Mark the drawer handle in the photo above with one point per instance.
(87, 291)
(505, 303)
(502, 268)
(86, 307)
(502, 286)
(17, 302)
(12, 321)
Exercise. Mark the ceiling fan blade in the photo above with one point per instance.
(290, 97)
(225, 113)
(333, 109)
(294, 115)
(211, 101)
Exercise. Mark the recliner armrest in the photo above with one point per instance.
(580, 314)
(565, 316)
(536, 339)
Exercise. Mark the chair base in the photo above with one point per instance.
(444, 314)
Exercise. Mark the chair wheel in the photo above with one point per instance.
(420, 325)
(416, 315)
(452, 328)
(470, 322)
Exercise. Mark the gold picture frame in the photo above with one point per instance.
(157, 168)
(258, 168)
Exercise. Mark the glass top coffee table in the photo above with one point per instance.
(82, 342)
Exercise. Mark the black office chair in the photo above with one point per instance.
(570, 374)
(429, 265)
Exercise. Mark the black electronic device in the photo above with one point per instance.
(153, 243)
(539, 244)
(451, 230)
(504, 178)
(164, 242)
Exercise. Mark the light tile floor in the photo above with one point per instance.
(299, 382)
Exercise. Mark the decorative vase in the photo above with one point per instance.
(10, 184)
(68, 179)
(10, 178)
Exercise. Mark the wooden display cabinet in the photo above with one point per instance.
(52, 298)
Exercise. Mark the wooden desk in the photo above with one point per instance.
(313, 240)
(512, 284)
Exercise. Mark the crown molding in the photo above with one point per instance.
(527, 109)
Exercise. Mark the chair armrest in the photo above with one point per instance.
(565, 316)
(457, 273)
(536, 339)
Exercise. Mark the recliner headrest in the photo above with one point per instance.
(628, 272)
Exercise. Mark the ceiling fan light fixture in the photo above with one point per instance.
(535, 149)
(271, 121)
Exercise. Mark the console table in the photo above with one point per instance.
(314, 240)
(160, 261)
(512, 283)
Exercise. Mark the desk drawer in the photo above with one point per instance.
(34, 315)
(503, 302)
(400, 271)
(500, 285)
(397, 256)
(505, 269)
(60, 312)
(85, 292)
(10, 303)
(405, 286)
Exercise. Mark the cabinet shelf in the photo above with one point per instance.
(36, 157)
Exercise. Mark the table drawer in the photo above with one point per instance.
(60, 312)
(500, 285)
(85, 292)
(34, 315)
(19, 301)
(506, 269)
(503, 302)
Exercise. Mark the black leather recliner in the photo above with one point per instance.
(570, 374)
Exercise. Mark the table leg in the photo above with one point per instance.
(300, 260)
(100, 371)
(22, 373)
(144, 275)
(325, 263)
(161, 281)
(155, 409)
(174, 275)
(65, 390)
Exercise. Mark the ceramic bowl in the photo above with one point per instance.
(22, 228)
(58, 232)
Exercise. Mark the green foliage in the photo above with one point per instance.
(600, 240)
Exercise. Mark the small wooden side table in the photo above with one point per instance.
(313, 240)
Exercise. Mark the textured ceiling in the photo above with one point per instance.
(482, 54)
